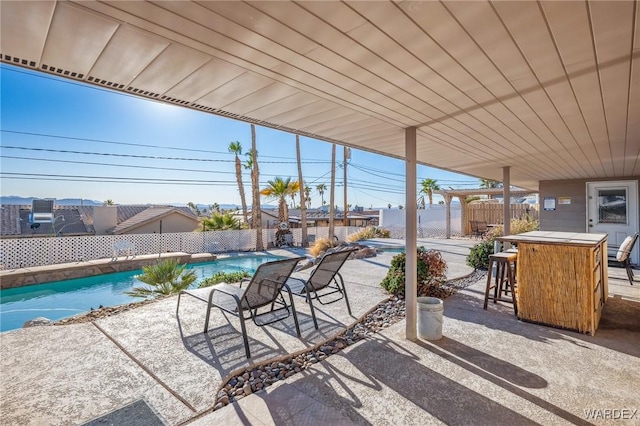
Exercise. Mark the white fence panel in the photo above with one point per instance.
(29, 252)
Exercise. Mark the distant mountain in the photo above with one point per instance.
(13, 199)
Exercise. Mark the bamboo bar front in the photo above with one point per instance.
(561, 278)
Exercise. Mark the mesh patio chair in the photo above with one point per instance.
(264, 289)
(325, 280)
(623, 255)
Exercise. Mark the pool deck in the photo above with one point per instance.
(489, 368)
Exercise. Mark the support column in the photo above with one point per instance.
(506, 197)
(411, 239)
(463, 215)
(447, 213)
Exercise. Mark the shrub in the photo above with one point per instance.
(478, 257)
(479, 254)
(226, 277)
(321, 245)
(163, 278)
(431, 272)
(367, 233)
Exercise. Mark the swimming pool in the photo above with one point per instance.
(62, 299)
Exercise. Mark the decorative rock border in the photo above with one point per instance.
(256, 378)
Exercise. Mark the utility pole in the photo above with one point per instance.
(347, 155)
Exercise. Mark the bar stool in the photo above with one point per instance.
(505, 279)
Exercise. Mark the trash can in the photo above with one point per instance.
(430, 311)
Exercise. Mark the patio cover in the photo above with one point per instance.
(519, 92)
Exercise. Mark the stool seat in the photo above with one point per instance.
(505, 279)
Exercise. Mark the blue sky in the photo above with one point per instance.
(63, 139)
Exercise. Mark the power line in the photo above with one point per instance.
(134, 166)
(151, 157)
(48, 135)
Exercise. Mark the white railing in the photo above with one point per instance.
(29, 252)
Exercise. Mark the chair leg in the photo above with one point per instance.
(627, 266)
(295, 315)
(178, 306)
(343, 289)
(488, 288)
(512, 284)
(244, 335)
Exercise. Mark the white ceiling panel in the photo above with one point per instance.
(23, 28)
(77, 50)
(550, 89)
(126, 55)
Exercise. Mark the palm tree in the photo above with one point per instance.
(490, 184)
(109, 202)
(163, 278)
(302, 188)
(307, 194)
(220, 222)
(236, 148)
(321, 188)
(428, 186)
(194, 208)
(279, 189)
(256, 221)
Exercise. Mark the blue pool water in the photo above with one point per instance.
(61, 299)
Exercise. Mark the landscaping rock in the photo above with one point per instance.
(36, 322)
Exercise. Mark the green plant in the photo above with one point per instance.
(220, 222)
(478, 257)
(227, 277)
(431, 272)
(163, 278)
(367, 233)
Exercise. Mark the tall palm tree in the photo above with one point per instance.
(303, 189)
(321, 188)
(428, 186)
(279, 189)
(307, 195)
(194, 208)
(256, 208)
(236, 148)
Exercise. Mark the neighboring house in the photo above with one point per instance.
(159, 220)
(321, 218)
(98, 220)
(268, 217)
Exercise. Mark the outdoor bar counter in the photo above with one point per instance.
(561, 278)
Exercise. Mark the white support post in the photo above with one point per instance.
(411, 238)
(447, 212)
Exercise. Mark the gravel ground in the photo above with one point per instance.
(382, 316)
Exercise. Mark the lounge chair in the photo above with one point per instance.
(264, 289)
(324, 281)
(623, 255)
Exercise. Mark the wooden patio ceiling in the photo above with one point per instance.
(551, 89)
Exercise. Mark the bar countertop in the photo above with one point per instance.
(552, 237)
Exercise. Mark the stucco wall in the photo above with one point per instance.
(174, 222)
(568, 217)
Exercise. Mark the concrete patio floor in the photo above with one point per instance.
(489, 368)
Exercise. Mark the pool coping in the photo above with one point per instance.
(64, 271)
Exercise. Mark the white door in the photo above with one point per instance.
(613, 210)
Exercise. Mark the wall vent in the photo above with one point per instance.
(143, 92)
(61, 71)
(105, 83)
(16, 60)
